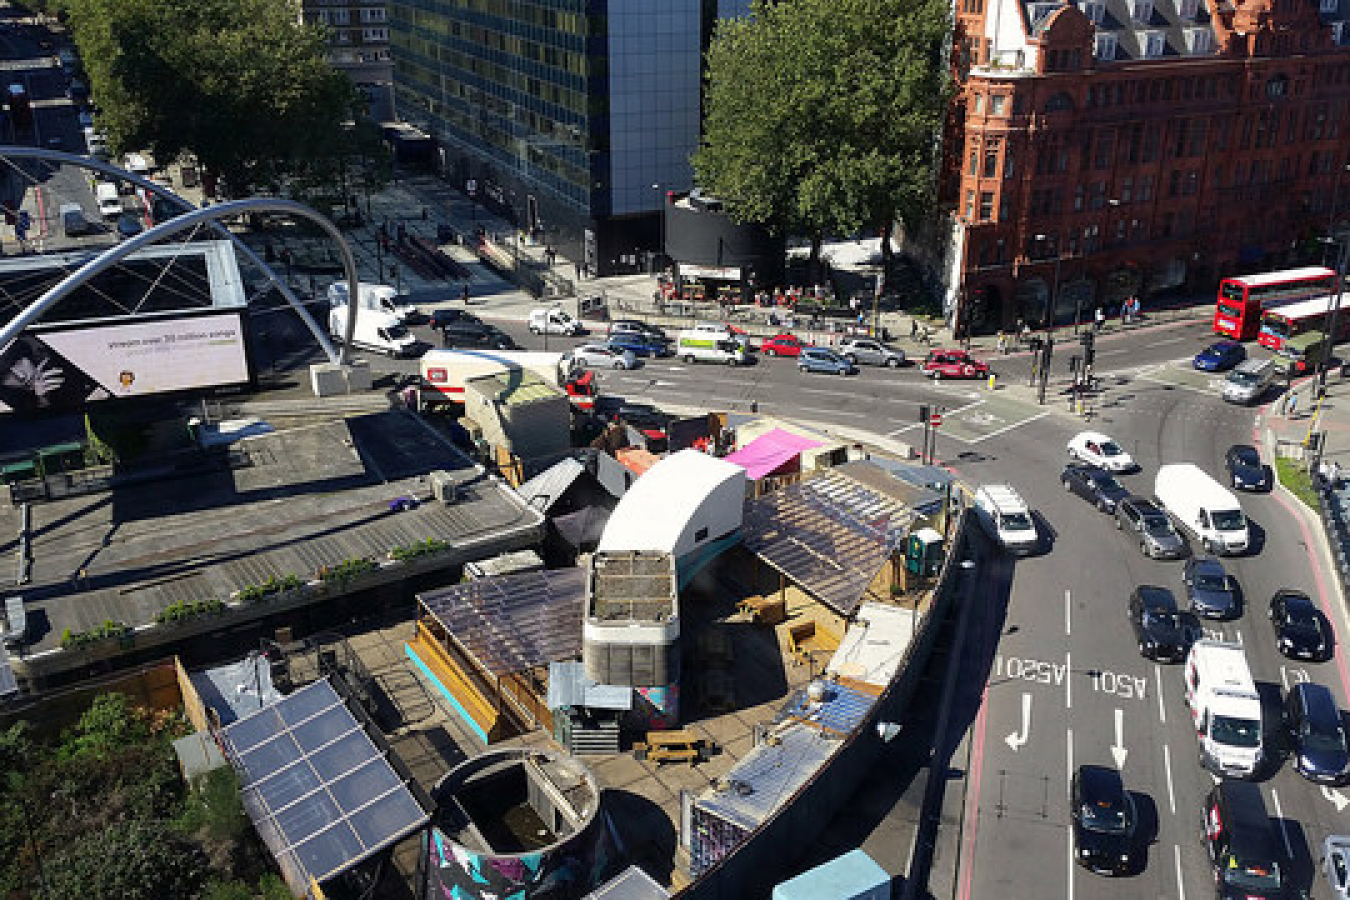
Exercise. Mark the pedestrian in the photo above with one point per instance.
(1291, 406)
(464, 295)
(1023, 331)
(914, 329)
(1098, 319)
(1002, 344)
(577, 267)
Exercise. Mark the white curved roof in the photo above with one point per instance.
(658, 510)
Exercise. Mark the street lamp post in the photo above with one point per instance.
(1325, 362)
(660, 226)
(1054, 294)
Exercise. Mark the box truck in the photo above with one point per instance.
(379, 331)
(1225, 708)
(445, 372)
(378, 297)
(1007, 518)
(1203, 507)
(703, 345)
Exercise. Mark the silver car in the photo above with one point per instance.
(599, 356)
(867, 351)
(1336, 864)
(1157, 538)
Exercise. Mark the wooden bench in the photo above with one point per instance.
(764, 610)
(676, 745)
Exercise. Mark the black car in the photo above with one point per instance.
(1318, 739)
(1093, 484)
(1300, 630)
(1246, 472)
(1209, 588)
(444, 318)
(480, 337)
(1103, 821)
(633, 326)
(1163, 633)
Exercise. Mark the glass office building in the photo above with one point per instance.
(574, 117)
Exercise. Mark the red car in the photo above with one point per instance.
(953, 364)
(782, 345)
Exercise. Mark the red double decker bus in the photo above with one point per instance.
(1242, 299)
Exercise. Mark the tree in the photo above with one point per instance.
(823, 116)
(238, 83)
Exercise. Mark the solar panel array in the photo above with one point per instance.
(517, 622)
(830, 535)
(320, 791)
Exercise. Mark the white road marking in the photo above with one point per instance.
(1336, 797)
(1018, 739)
(1118, 751)
(1068, 681)
(1284, 677)
(1167, 770)
(1181, 888)
(1157, 678)
(826, 391)
(1009, 427)
(1068, 607)
(1284, 832)
(1068, 832)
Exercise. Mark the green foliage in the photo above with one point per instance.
(182, 610)
(823, 116)
(228, 890)
(343, 572)
(212, 809)
(239, 83)
(406, 552)
(255, 593)
(110, 722)
(110, 629)
(1295, 478)
(130, 861)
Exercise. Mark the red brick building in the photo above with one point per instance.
(1149, 146)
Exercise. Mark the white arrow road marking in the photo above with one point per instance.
(1337, 799)
(1018, 738)
(1118, 748)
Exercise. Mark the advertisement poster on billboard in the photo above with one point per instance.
(62, 370)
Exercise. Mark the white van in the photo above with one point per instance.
(1007, 518)
(1202, 507)
(1249, 381)
(377, 297)
(379, 331)
(109, 201)
(1225, 708)
(707, 345)
(554, 321)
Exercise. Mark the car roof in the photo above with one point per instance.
(1099, 784)
(1156, 597)
(1316, 699)
(1206, 562)
(1090, 436)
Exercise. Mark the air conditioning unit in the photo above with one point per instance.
(444, 486)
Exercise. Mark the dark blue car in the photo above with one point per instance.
(1220, 356)
(639, 345)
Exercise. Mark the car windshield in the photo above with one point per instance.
(1208, 579)
(1158, 618)
(1246, 456)
(1229, 520)
(1157, 526)
(1105, 817)
(1323, 743)
(1018, 521)
(1105, 483)
(1255, 875)
(1242, 378)
(396, 332)
(1111, 448)
(1236, 732)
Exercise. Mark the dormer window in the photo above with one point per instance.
(1152, 43)
(1142, 10)
(1198, 40)
(1106, 47)
(1187, 9)
(1330, 6)
(1337, 30)
(1094, 10)
(1040, 12)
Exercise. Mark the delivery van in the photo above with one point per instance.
(705, 345)
(1007, 518)
(379, 331)
(109, 201)
(1249, 380)
(377, 297)
(554, 321)
(1225, 708)
(1203, 507)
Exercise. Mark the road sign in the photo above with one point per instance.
(935, 420)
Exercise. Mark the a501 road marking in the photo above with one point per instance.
(1037, 670)
(1119, 684)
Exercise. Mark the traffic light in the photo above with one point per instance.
(923, 412)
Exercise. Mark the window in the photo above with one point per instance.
(974, 163)
(970, 204)
(1008, 162)
(1277, 86)
(997, 103)
(1146, 189)
(1198, 41)
(986, 206)
(1337, 28)
(1126, 190)
(1106, 142)
(701, 534)
(1174, 184)
(1058, 103)
(1190, 182)
(1187, 8)
(1329, 6)
(1093, 9)
(1154, 42)
(991, 162)
(1106, 47)
(1142, 11)
(1098, 194)
(1078, 192)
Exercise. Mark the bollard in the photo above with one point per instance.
(992, 379)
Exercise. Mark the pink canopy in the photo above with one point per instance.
(768, 452)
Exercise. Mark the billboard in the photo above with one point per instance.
(63, 370)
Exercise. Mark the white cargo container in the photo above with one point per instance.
(1202, 507)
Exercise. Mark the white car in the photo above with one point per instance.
(598, 356)
(1097, 449)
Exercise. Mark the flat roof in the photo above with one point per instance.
(633, 586)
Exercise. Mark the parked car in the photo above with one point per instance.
(1316, 736)
(633, 326)
(443, 318)
(953, 364)
(1300, 630)
(1157, 538)
(639, 345)
(871, 352)
(1336, 865)
(1163, 633)
(1210, 590)
(820, 359)
(1246, 472)
(782, 345)
(1220, 356)
(1104, 820)
(129, 225)
(1094, 484)
(599, 356)
(1096, 449)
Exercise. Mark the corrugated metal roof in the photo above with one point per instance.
(569, 686)
(829, 534)
(544, 489)
(841, 711)
(516, 622)
(768, 776)
(630, 884)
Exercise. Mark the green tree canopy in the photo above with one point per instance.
(824, 116)
(238, 83)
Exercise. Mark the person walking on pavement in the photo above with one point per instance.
(1098, 320)
(1002, 344)
(1291, 405)
(464, 295)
